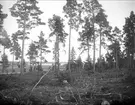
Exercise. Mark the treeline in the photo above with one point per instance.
(88, 18)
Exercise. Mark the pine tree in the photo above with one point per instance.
(110, 60)
(57, 27)
(27, 14)
(101, 20)
(5, 40)
(86, 36)
(129, 31)
(73, 55)
(115, 52)
(2, 17)
(32, 52)
(79, 64)
(42, 46)
(72, 11)
(15, 48)
(91, 9)
(4, 62)
(116, 43)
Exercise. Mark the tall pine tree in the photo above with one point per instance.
(86, 36)
(15, 48)
(57, 27)
(101, 20)
(27, 14)
(129, 31)
(72, 11)
(91, 9)
(42, 46)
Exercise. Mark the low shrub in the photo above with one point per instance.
(66, 76)
(60, 78)
(128, 77)
(3, 85)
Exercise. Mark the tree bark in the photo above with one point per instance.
(13, 62)
(69, 49)
(134, 52)
(129, 61)
(94, 46)
(23, 41)
(41, 57)
(3, 65)
(57, 56)
(88, 49)
(4, 50)
(117, 62)
(100, 49)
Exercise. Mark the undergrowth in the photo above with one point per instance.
(78, 90)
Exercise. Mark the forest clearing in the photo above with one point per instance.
(80, 89)
(72, 52)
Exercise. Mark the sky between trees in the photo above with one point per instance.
(116, 10)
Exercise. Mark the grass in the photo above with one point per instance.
(49, 90)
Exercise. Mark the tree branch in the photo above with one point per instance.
(40, 80)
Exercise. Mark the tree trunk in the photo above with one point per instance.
(4, 50)
(23, 41)
(88, 49)
(100, 49)
(13, 62)
(94, 55)
(132, 61)
(94, 84)
(41, 57)
(69, 48)
(134, 52)
(94, 46)
(3, 65)
(31, 68)
(57, 56)
(117, 63)
(129, 61)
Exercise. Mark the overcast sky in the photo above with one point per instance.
(116, 10)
